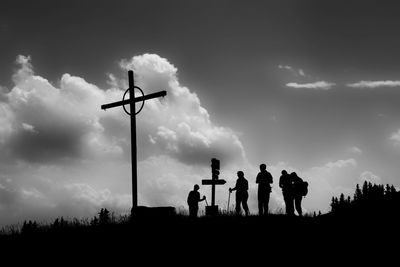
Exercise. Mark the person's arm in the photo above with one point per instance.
(233, 189)
(258, 179)
(204, 198)
(280, 182)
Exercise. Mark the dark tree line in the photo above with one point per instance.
(104, 218)
(369, 199)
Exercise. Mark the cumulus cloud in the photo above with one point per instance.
(50, 124)
(329, 179)
(3, 94)
(179, 124)
(395, 137)
(63, 155)
(374, 84)
(319, 85)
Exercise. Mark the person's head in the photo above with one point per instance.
(263, 167)
(240, 174)
(284, 172)
(293, 174)
(196, 187)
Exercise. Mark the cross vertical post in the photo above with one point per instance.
(131, 102)
(133, 139)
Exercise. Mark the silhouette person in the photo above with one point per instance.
(264, 181)
(297, 192)
(286, 183)
(193, 201)
(242, 195)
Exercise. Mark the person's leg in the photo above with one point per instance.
(286, 199)
(237, 204)
(192, 212)
(290, 204)
(245, 206)
(298, 205)
(266, 203)
(260, 204)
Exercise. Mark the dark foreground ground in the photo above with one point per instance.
(225, 239)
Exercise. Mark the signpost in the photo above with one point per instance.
(215, 167)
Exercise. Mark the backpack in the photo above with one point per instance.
(304, 188)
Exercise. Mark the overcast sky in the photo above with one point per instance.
(307, 86)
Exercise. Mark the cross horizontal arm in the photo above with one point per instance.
(137, 99)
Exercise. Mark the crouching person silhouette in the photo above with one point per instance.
(242, 195)
(193, 201)
(285, 182)
(298, 192)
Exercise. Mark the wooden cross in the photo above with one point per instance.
(131, 101)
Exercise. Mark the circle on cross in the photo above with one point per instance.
(123, 98)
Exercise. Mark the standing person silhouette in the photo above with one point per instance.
(297, 192)
(264, 181)
(286, 183)
(241, 187)
(193, 201)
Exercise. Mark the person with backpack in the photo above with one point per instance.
(299, 191)
(193, 201)
(286, 183)
(264, 181)
(242, 195)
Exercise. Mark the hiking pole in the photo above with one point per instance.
(229, 198)
(206, 201)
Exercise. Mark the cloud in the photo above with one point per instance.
(296, 72)
(50, 199)
(179, 125)
(50, 124)
(28, 127)
(341, 163)
(25, 71)
(329, 179)
(369, 177)
(355, 150)
(63, 155)
(395, 137)
(320, 85)
(374, 84)
(3, 94)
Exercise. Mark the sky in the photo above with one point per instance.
(306, 86)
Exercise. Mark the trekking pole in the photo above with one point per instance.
(206, 201)
(229, 198)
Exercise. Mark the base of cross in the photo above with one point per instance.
(212, 210)
(153, 212)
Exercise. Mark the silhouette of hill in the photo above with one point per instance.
(179, 236)
(368, 222)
